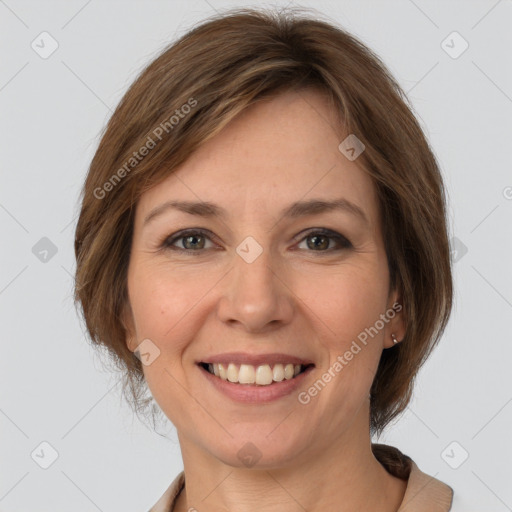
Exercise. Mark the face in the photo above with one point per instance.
(256, 286)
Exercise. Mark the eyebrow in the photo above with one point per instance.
(295, 210)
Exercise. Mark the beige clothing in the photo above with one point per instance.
(424, 493)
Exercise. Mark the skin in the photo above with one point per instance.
(294, 298)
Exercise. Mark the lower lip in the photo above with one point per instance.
(254, 394)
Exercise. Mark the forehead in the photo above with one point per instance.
(276, 152)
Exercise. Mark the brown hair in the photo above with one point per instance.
(190, 92)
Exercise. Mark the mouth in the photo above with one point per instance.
(255, 375)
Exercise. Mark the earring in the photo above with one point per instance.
(393, 337)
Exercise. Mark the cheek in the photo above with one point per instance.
(348, 300)
(164, 306)
(162, 299)
(347, 304)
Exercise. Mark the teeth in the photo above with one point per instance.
(222, 371)
(232, 373)
(262, 375)
(246, 375)
(278, 374)
(288, 371)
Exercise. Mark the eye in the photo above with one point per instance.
(196, 240)
(190, 240)
(319, 240)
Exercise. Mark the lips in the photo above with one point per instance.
(239, 358)
(252, 394)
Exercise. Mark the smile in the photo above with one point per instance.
(261, 375)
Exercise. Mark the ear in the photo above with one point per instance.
(396, 325)
(129, 326)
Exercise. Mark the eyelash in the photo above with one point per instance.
(167, 243)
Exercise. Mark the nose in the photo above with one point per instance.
(255, 296)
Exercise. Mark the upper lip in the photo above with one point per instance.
(255, 359)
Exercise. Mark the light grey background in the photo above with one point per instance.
(53, 386)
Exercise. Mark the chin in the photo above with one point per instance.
(255, 450)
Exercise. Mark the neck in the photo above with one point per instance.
(344, 477)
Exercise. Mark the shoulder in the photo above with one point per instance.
(424, 492)
(168, 498)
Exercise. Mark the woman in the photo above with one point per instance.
(263, 244)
